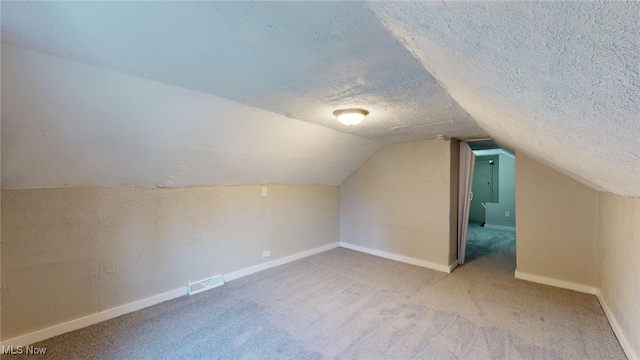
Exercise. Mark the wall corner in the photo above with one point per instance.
(454, 165)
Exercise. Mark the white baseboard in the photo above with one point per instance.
(555, 282)
(589, 290)
(30, 338)
(267, 265)
(453, 266)
(401, 258)
(79, 323)
(500, 227)
(616, 327)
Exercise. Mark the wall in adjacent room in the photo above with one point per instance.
(495, 213)
(483, 174)
(557, 219)
(619, 262)
(73, 252)
(400, 202)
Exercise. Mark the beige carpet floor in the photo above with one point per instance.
(347, 305)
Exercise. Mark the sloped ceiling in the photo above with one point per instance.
(109, 106)
(71, 124)
(559, 81)
(299, 59)
(206, 93)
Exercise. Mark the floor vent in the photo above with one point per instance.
(205, 284)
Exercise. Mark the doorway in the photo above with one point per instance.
(490, 230)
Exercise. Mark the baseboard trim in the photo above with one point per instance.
(401, 258)
(33, 337)
(30, 338)
(453, 266)
(617, 330)
(555, 282)
(616, 327)
(500, 227)
(267, 265)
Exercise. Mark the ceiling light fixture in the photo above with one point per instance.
(351, 117)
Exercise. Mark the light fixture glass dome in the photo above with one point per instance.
(351, 117)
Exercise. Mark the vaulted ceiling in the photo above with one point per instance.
(218, 93)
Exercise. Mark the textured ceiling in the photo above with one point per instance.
(299, 59)
(70, 124)
(558, 81)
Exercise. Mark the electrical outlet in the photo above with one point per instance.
(266, 253)
(507, 214)
(264, 191)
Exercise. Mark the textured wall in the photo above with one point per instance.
(557, 224)
(506, 194)
(399, 201)
(70, 124)
(619, 261)
(72, 252)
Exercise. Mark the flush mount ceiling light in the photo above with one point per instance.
(351, 117)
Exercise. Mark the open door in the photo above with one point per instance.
(467, 164)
